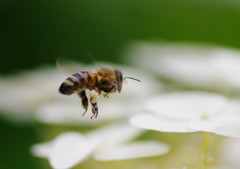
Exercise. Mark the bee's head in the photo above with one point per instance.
(107, 78)
(66, 89)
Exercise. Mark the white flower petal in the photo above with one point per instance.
(230, 130)
(42, 150)
(226, 124)
(60, 112)
(115, 134)
(70, 111)
(229, 154)
(69, 149)
(187, 105)
(151, 122)
(232, 109)
(33, 89)
(133, 150)
(201, 66)
(185, 63)
(203, 125)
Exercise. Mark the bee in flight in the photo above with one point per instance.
(104, 81)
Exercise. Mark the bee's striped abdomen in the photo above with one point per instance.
(87, 79)
(69, 85)
(80, 80)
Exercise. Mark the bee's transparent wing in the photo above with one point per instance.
(68, 67)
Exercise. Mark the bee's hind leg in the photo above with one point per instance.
(82, 95)
(93, 101)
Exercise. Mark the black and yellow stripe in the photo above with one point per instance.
(79, 80)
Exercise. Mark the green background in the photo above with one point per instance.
(37, 32)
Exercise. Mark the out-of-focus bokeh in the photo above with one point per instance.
(36, 33)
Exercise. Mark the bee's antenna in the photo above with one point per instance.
(132, 78)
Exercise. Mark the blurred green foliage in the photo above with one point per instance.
(15, 147)
(37, 32)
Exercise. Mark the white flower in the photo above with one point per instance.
(190, 112)
(118, 105)
(105, 144)
(22, 93)
(200, 66)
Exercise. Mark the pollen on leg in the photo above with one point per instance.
(94, 96)
(93, 101)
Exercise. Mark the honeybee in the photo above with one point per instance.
(104, 81)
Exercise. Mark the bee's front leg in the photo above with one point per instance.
(93, 101)
(113, 89)
(82, 95)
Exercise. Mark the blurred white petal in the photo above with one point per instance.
(134, 150)
(70, 111)
(69, 149)
(230, 130)
(189, 112)
(41, 150)
(151, 122)
(229, 154)
(26, 91)
(115, 134)
(186, 105)
(197, 65)
(203, 125)
(218, 124)
(60, 112)
(232, 109)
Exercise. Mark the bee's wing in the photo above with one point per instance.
(68, 67)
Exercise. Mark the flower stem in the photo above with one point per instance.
(204, 149)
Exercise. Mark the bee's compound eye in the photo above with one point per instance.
(66, 89)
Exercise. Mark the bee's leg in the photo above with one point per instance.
(93, 101)
(113, 89)
(82, 95)
(105, 95)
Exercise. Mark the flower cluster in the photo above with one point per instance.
(37, 98)
(190, 112)
(197, 66)
(104, 144)
(149, 105)
(24, 92)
